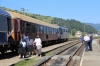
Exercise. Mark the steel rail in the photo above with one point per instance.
(44, 61)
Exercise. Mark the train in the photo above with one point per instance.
(21, 24)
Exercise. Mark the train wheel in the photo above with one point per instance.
(12, 50)
(3, 51)
(16, 50)
(67, 39)
(12, 46)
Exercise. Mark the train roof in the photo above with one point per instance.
(30, 19)
(4, 13)
(62, 27)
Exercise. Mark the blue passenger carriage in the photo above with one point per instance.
(62, 33)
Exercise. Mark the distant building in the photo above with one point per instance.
(99, 32)
(78, 34)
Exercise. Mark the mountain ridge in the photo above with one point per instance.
(96, 26)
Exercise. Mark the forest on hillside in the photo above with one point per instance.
(72, 24)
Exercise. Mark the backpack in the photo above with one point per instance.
(20, 43)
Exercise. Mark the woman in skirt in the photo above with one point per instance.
(30, 46)
(22, 48)
(38, 42)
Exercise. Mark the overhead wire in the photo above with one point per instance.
(10, 3)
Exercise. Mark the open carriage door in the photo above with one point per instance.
(17, 30)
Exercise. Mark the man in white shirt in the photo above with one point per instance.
(38, 42)
(86, 40)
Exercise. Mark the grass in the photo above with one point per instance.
(50, 53)
(26, 62)
(70, 36)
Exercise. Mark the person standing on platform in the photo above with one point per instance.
(30, 46)
(22, 50)
(26, 38)
(82, 39)
(86, 42)
(90, 42)
(38, 42)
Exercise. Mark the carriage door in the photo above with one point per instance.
(17, 30)
(60, 32)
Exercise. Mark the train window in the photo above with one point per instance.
(45, 30)
(41, 29)
(54, 31)
(63, 30)
(22, 27)
(57, 31)
(33, 28)
(28, 28)
(37, 28)
(50, 30)
(23, 24)
(60, 30)
(66, 30)
(9, 23)
(3, 23)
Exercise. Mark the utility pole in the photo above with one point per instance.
(71, 32)
(58, 22)
(23, 9)
(84, 29)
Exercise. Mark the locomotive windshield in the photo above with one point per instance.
(3, 23)
(5, 26)
(3, 29)
(60, 30)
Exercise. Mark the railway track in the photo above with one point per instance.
(64, 56)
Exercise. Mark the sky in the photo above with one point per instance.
(85, 11)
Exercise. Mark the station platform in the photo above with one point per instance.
(91, 58)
